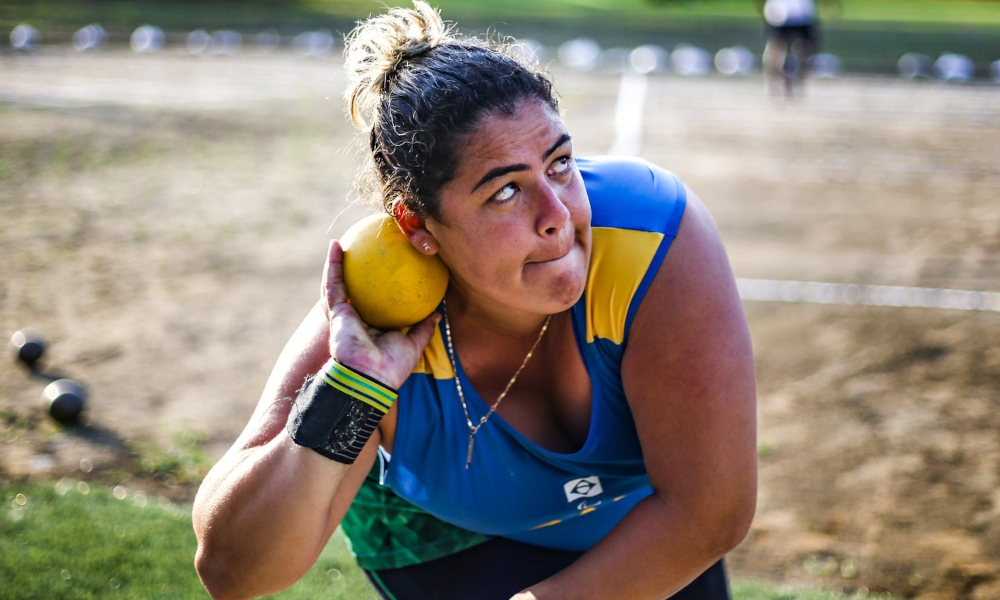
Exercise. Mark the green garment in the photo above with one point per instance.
(386, 532)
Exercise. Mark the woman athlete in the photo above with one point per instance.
(575, 421)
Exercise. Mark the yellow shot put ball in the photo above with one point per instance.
(389, 282)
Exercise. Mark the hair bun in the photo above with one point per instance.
(414, 49)
(377, 47)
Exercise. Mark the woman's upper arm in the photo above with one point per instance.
(689, 378)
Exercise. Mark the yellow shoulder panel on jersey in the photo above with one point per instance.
(619, 260)
(435, 361)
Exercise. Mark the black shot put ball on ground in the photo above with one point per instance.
(27, 346)
(65, 400)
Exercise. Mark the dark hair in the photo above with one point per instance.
(416, 89)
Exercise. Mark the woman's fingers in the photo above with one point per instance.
(421, 333)
(333, 288)
(386, 355)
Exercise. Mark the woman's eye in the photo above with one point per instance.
(560, 166)
(504, 194)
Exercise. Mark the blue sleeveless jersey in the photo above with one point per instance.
(515, 488)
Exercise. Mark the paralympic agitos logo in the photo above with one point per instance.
(584, 487)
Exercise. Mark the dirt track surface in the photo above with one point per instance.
(163, 220)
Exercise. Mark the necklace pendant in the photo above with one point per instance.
(468, 457)
(458, 382)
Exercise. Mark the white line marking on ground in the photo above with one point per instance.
(814, 292)
(628, 114)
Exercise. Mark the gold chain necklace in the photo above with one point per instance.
(473, 429)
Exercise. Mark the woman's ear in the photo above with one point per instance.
(414, 227)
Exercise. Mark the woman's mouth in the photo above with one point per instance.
(552, 255)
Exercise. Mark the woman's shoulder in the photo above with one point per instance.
(631, 193)
(637, 209)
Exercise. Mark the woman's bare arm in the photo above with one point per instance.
(266, 510)
(689, 379)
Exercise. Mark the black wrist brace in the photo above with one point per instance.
(337, 410)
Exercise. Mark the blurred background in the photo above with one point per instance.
(171, 171)
(868, 36)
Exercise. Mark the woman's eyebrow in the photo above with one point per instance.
(501, 171)
(562, 140)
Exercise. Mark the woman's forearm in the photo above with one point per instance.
(264, 513)
(266, 510)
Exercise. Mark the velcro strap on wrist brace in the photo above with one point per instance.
(337, 410)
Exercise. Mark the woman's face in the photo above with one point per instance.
(515, 220)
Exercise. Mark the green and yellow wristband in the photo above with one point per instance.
(337, 410)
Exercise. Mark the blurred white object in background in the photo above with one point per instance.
(913, 65)
(649, 58)
(266, 41)
(824, 65)
(736, 60)
(690, 61)
(89, 37)
(995, 71)
(24, 37)
(581, 54)
(954, 67)
(313, 43)
(613, 60)
(198, 41)
(780, 13)
(147, 38)
(226, 42)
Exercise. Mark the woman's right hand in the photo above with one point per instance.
(388, 356)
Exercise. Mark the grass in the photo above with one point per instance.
(755, 590)
(76, 541)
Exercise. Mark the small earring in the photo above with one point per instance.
(426, 247)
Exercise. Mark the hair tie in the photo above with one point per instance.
(411, 50)
(416, 49)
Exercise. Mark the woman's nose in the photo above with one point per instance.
(552, 212)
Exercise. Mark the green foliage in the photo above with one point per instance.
(75, 541)
(754, 590)
(869, 35)
(340, 14)
(72, 541)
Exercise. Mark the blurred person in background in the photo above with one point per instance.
(576, 420)
(791, 30)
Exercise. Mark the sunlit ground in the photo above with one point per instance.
(165, 219)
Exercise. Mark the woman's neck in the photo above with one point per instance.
(480, 317)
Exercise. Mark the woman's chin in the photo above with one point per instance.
(559, 282)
